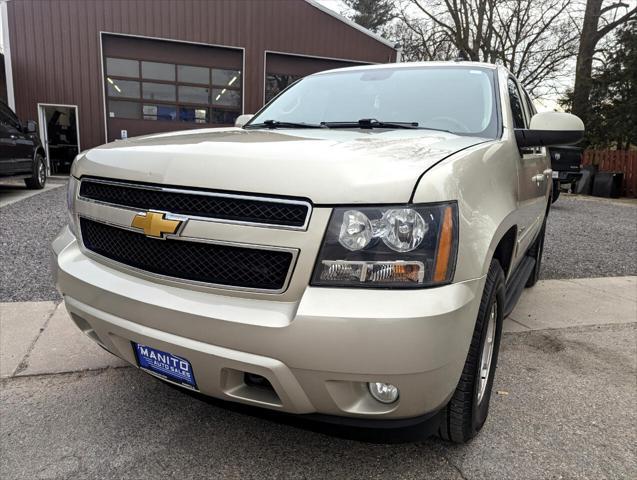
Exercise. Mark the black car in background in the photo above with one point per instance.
(21, 152)
(566, 163)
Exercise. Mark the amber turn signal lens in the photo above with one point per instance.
(444, 246)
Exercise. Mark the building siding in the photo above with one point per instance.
(56, 44)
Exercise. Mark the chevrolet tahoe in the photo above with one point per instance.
(349, 252)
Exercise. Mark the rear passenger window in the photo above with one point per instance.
(529, 105)
(516, 105)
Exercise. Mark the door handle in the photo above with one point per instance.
(539, 178)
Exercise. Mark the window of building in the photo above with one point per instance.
(159, 91)
(158, 71)
(139, 89)
(193, 114)
(120, 109)
(160, 112)
(121, 67)
(189, 94)
(188, 74)
(122, 88)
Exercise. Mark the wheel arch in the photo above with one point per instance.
(505, 248)
(39, 150)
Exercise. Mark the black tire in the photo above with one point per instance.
(38, 179)
(536, 252)
(556, 191)
(465, 414)
(574, 187)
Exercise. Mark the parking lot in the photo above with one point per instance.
(563, 404)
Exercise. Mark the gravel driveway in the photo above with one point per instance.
(27, 228)
(586, 237)
(590, 237)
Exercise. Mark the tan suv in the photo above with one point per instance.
(349, 252)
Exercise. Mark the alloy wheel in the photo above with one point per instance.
(487, 351)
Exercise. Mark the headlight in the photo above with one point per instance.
(393, 246)
(71, 193)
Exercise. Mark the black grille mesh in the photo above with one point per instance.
(210, 206)
(203, 262)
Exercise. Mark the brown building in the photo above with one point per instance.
(92, 71)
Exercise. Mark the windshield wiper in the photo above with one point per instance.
(272, 124)
(370, 123)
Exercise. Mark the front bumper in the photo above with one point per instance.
(567, 177)
(317, 353)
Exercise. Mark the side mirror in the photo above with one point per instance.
(31, 126)
(550, 128)
(242, 120)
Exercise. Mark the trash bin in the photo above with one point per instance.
(608, 184)
(585, 182)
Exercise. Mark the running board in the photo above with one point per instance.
(515, 284)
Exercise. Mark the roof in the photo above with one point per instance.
(403, 65)
(354, 25)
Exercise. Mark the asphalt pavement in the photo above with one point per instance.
(566, 409)
(563, 404)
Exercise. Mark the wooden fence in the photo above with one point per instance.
(624, 161)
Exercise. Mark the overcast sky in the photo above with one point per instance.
(336, 5)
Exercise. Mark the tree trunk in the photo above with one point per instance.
(584, 66)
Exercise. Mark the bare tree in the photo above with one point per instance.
(592, 33)
(421, 41)
(532, 39)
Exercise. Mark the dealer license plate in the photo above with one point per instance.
(555, 174)
(165, 365)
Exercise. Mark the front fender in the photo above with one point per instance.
(483, 179)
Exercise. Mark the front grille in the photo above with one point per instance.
(201, 262)
(287, 213)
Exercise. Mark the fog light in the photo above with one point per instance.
(383, 392)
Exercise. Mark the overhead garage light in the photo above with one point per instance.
(109, 80)
(119, 90)
(218, 97)
(232, 80)
(223, 91)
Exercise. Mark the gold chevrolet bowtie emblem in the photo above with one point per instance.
(155, 224)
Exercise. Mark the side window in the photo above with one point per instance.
(8, 118)
(6, 121)
(530, 108)
(516, 104)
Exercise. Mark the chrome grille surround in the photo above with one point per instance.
(210, 206)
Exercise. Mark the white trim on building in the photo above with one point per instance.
(347, 21)
(6, 47)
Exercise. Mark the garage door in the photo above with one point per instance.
(283, 69)
(158, 86)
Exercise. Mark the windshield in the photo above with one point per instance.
(456, 99)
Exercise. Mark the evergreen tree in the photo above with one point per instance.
(371, 14)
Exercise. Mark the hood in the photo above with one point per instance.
(325, 166)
